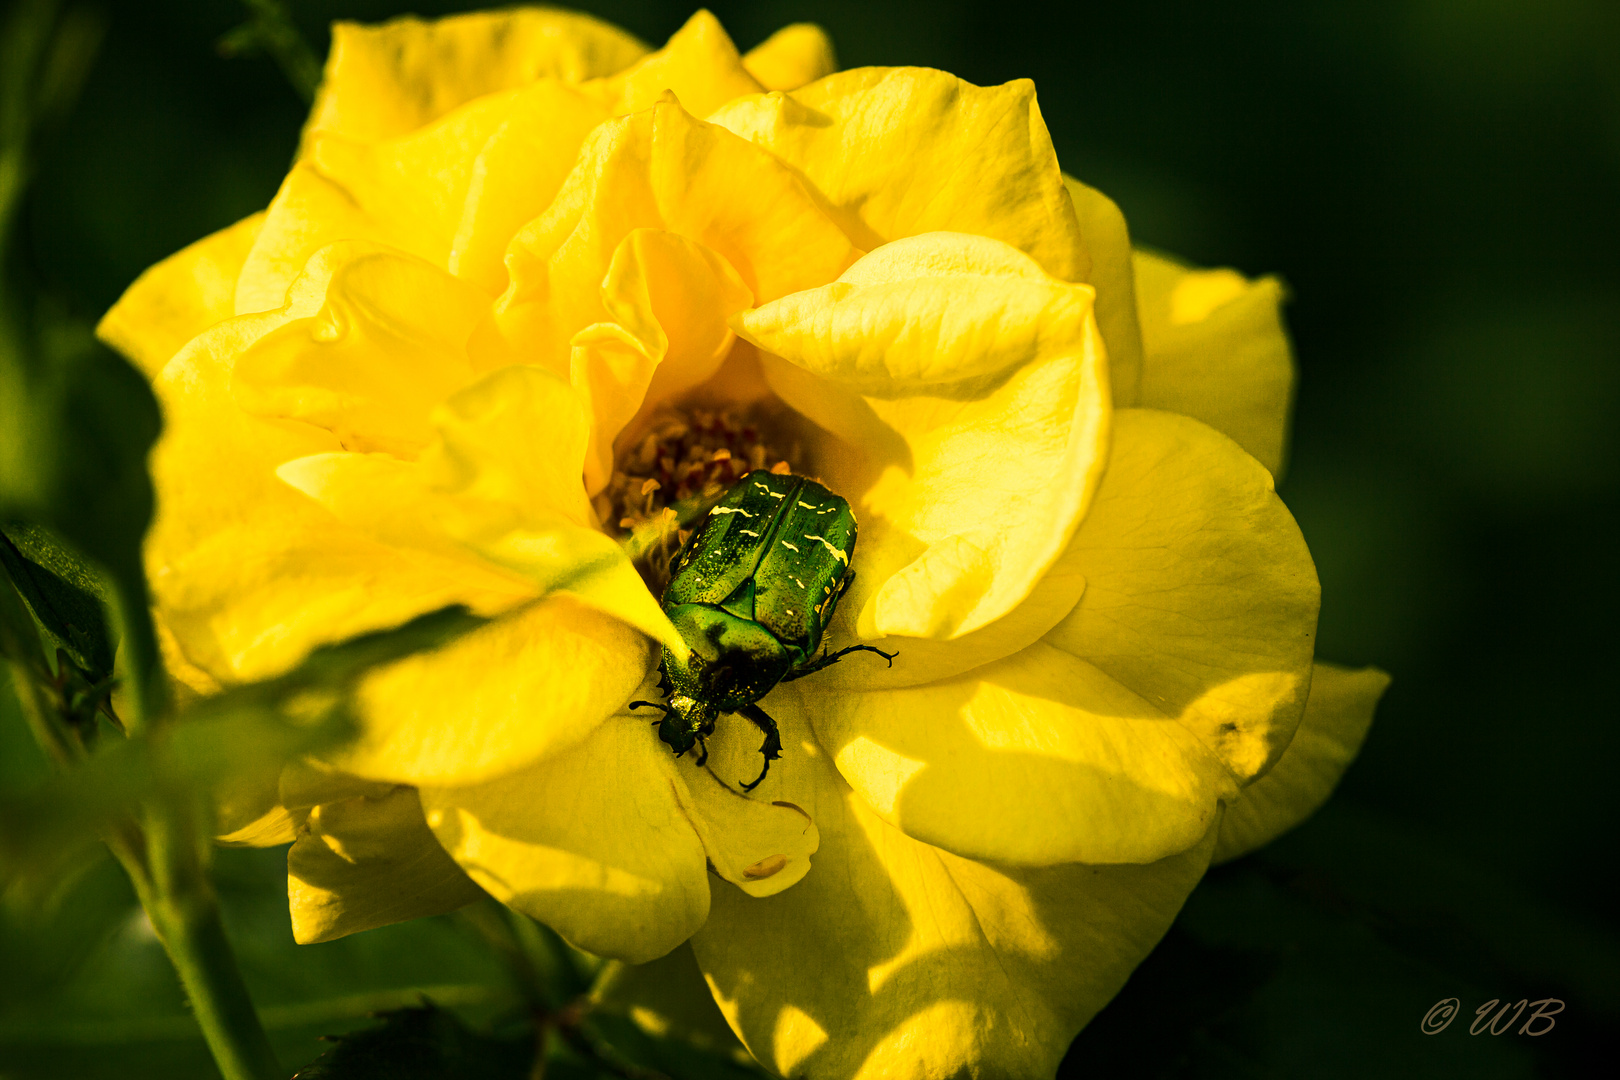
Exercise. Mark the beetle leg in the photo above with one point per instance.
(653, 705)
(772, 747)
(829, 660)
(703, 753)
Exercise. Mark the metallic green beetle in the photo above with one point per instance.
(751, 593)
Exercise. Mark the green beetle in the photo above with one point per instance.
(751, 593)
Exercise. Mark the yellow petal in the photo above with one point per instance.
(670, 300)
(1337, 716)
(903, 151)
(591, 842)
(925, 310)
(500, 505)
(1201, 597)
(369, 861)
(660, 169)
(490, 449)
(1114, 277)
(524, 687)
(387, 345)
(180, 297)
(669, 996)
(515, 176)
(1034, 760)
(794, 55)
(895, 959)
(387, 80)
(698, 64)
(247, 573)
(968, 489)
(761, 847)
(412, 192)
(1214, 348)
(273, 828)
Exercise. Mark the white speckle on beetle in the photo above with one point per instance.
(790, 546)
(731, 510)
(749, 532)
(837, 553)
(806, 505)
(799, 583)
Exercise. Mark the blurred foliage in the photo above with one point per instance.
(1436, 179)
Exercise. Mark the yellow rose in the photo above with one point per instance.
(521, 267)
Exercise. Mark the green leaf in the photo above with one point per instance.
(63, 593)
(239, 736)
(426, 1043)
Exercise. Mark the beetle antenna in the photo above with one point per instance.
(829, 660)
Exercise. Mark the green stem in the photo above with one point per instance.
(279, 37)
(184, 911)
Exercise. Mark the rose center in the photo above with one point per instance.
(684, 457)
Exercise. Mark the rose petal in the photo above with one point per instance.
(897, 959)
(390, 79)
(1034, 760)
(591, 842)
(1214, 348)
(972, 492)
(180, 297)
(248, 574)
(1337, 716)
(762, 847)
(386, 347)
(1114, 277)
(412, 192)
(794, 55)
(1201, 596)
(698, 64)
(369, 861)
(903, 151)
(659, 169)
(670, 300)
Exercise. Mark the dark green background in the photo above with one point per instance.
(1438, 181)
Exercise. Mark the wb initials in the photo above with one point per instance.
(1488, 1018)
(1544, 1010)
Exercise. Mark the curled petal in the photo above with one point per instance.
(1214, 348)
(660, 169)
(515, 175)
(791, 57)
(698, 64)
(416, 192)
(925, 310)
(592, 842)
(670, 300)
(368, 861)
(968, 488)
(388, 80)
(1201, 597)
(387, 345)
(180, 297)
(1337, 715)
(889, 150)
(761, 847)
(250, 575)
(897, 959)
